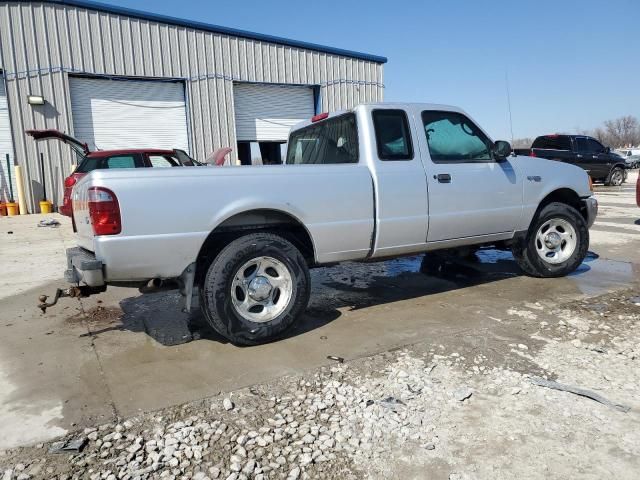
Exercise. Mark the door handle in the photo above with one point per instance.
(594, 156)
(579, 156)
(443, 177)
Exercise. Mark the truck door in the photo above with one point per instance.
(470, 193)
(401, 186)
(587, 157)
(601, 161)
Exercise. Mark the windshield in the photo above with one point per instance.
(185, 159)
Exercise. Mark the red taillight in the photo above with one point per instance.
(532, 154)
(70, 181)
(320, 116)
(104, 211)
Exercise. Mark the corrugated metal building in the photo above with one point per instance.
(118, 78)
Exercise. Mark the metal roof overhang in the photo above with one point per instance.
(102, 7)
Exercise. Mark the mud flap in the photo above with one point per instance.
(187, 279)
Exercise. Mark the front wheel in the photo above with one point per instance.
(255, 289)
(556, 243)
(616, 177)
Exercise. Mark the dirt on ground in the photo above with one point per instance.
(465, 407)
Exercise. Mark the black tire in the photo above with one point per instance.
(216, 297)
(526, 254)
(616, 177)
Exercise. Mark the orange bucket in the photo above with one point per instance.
(12, 209)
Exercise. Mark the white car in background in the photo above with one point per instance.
(631, 156)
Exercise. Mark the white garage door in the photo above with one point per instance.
(111, 114)
(267, 112)
(6, 147)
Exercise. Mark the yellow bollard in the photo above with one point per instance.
(22, 201)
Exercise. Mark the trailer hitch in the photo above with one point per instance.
(72, 292)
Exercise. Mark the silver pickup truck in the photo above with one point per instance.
(378, 181)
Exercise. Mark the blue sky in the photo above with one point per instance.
(571, 64)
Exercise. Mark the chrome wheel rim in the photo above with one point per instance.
(616, 178)
(556, 240)
(261, 289)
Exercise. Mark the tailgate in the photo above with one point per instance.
(79, 198)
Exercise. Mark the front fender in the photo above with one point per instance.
(542, 177)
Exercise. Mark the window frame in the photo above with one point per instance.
(462, 160)
(357, 141)
(405, 118)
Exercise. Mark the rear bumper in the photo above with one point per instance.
(83, 268)
(592, 210)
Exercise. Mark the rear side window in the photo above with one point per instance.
(452, 137)
(392, 135)
(331, 141)
(123, 161)
(116, 161)
(553, 142)
(162, 161)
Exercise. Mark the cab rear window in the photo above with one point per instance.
(330, 141)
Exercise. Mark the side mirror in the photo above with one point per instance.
(607, 149)
(501, 150)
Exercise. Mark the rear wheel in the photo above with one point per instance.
(556, 243)
(616, 177)
(255, 289)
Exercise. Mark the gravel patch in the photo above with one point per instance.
(447, 410)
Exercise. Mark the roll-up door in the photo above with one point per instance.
(266, 113)
(112, 114)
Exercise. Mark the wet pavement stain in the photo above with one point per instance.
(353, 286)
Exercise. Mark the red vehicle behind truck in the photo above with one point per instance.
(105, 159)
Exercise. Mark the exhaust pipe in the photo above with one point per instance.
(159, 285)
